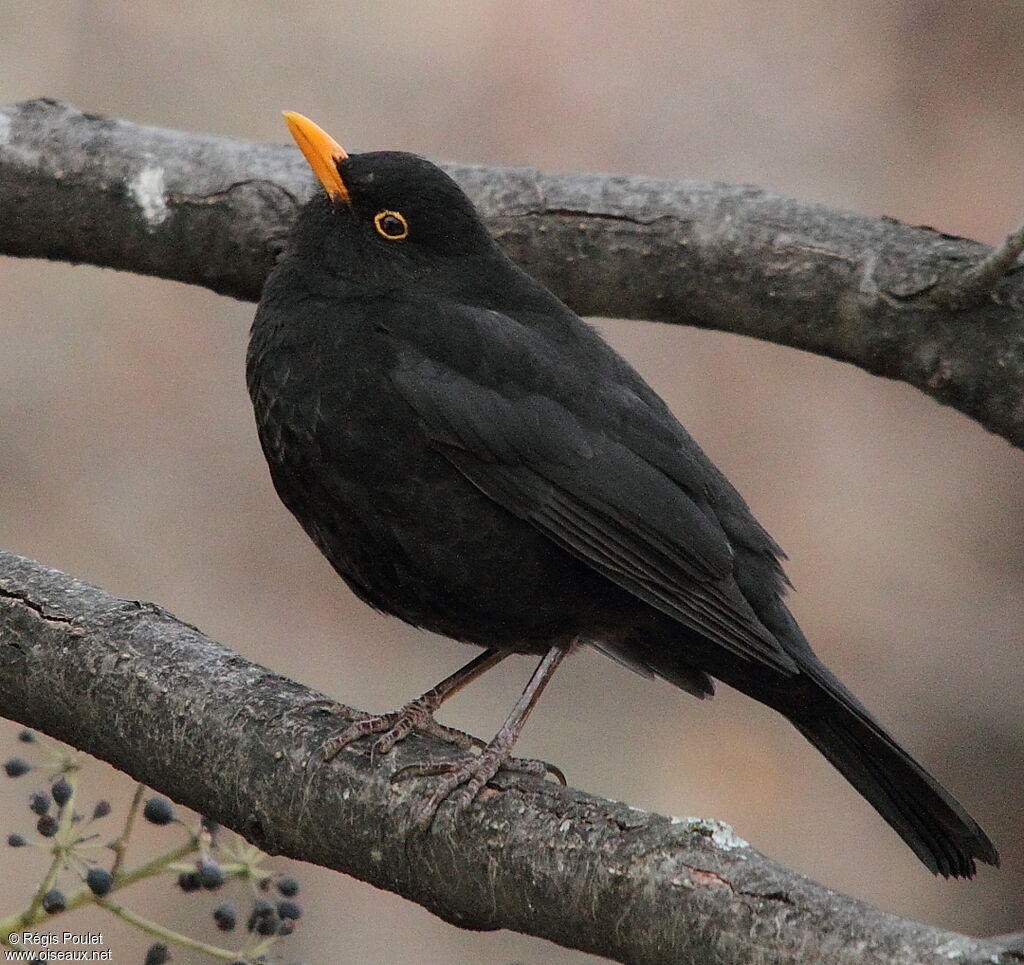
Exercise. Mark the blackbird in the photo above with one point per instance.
(473, 458)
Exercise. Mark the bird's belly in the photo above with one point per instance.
(414, 538)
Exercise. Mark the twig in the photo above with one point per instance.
(977, 282)
(161, 931)
(120, 846)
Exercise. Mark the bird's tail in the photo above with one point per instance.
(939, 831)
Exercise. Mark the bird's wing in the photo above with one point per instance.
(593, 496)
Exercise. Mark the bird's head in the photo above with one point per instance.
(382, 210)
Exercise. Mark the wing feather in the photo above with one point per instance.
(594, 497)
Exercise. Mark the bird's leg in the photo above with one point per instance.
(418, 714)
(474, 772)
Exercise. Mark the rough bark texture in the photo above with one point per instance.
(896, 300)
(129, 683)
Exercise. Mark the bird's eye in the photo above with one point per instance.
(391, 225)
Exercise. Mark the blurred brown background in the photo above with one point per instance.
(128, 454)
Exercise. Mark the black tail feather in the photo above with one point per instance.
(939, 831)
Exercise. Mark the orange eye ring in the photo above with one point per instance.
(391, 225)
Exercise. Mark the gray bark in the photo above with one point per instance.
(909, 303)
(132, 685)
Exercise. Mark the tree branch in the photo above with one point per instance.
(132, 685)
(873, 292)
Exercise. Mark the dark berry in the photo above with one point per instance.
(47, 825)
(264, 884)
(17, 766)
(53, 901)
(16, 841)
(262, 907)
(286, 927)
(158, 810)
(188, 881)
(224, 916)
(157, 954)
(26, 737)
(99, 880)
(101, 810)
(266, 926)
(289, 909)
(210, 874)
(288, 886)
(39, 802)
(61, 792)
(262, 912)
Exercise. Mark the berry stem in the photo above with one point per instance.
(121, 844)
(62, 843)
(35, 913)
(159, 931)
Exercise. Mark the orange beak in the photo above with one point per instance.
(322, 152)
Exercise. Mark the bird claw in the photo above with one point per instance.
(463, 780)
(534, 768)
(466, 777)
(394, 727)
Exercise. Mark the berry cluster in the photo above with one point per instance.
(202, 863)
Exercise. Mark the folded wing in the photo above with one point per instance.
(593, 496)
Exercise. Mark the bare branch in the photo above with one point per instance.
(129, 683)
(213, 212)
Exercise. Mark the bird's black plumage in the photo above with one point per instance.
(473, 458)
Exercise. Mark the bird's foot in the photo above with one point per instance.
(415, 715)
(463, 780)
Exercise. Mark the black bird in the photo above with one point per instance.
(471, 457)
